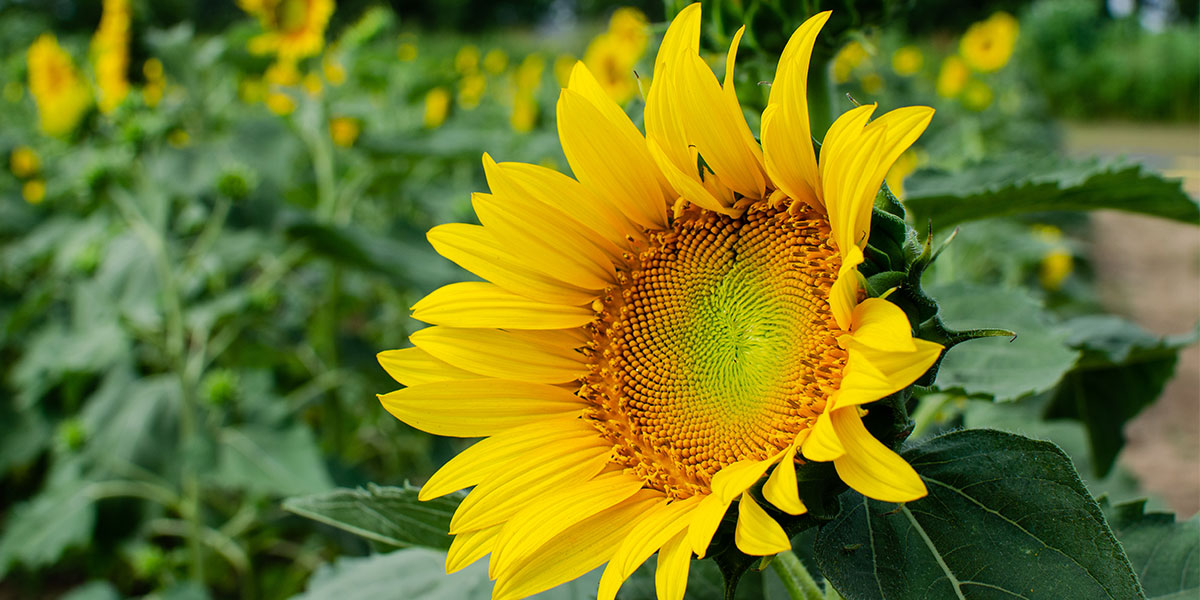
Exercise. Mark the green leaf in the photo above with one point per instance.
(1006, 516)
(413, 574)
(1002, 368)
(93, 590)
(1123, 370)
(1161, 550)
(37, 532)
(1016, 185)
(391, 515)
(271, 462)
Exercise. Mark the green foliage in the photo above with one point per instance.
(1004, 515)
(1161, 550)
(1018, 184)
(384, 514)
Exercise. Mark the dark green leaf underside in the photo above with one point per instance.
(391, 515)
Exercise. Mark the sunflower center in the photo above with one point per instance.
(716, 346)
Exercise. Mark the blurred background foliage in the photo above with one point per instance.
(214, 217)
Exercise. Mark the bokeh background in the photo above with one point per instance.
(213, 214)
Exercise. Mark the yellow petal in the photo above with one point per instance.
(881, 325)
(476, 250)
(500, 354)
(414, 366)
(849, 154)
(781, 488)
(486, 305)
(519, 444)
(787, 145)
(469, 547)
(545, 517)
(478, 407)
(687, 187)
(757, 534)
(901, 127)
(544, 241)
(655, 529)
(872, 374)
(674, 562)
(556, 190)
(844, 294)
(705, 521)
(682, 37)
(500, 496)
(715, 124)
(731, 93)
(620, 172)
(871, 468)
(823, 443)
(576, 551)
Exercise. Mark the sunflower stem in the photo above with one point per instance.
(796, 579)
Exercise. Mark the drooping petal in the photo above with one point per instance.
(788, 153)
(872, 374)
(780, 488)
(527, 443)
(844, 294)
(757, 534)
(545, 517)
(879, 324)
(674, 562)
(476, 304)
(609, 164)
(823, 444)
(414, 366)
(478, 407)
(576, 551)
(660, 524)
(500, 354)
(477, 250)
(871, 468)
(705, 521)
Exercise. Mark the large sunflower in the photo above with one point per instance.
(294, 29)
(653, 337)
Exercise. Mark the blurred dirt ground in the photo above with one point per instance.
(1148, 269)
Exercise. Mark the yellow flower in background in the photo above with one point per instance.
(179, 138)
(987, 45)
(294, 29)
(60, 92)
(437, 106)
(280, 75)
(872, 83)
(907, 60)
(24, 162)
(527, 80)
(524, 112)
(344, 130)
(334, 72)
(952, 77)
(1058, 263)
(110, 54)
(34, 191)
(977, 95)
(406, 52)
(563, 65)
(280, 103)
(613, 54)
(313, 85)
(466, 61)
(252, 90)
(529, 73)
(495, 61)
(903, 167)
(470, 90)
(847, 60)
(156, 82)
(649, 341)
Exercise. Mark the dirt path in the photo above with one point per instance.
(1148, 270)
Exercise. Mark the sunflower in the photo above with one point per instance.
(655, 338)
(110, 54)
(59, 90)
(294, 28)
(987, 45)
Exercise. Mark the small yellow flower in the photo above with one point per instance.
(34, 191)
(313, 85)
(907, 60)
(294, 29)
(952, 77)
(252, 90)
(110, 54)
(529, 74)
(495, 61)
(344, 130)
(872, 83)
(406, 52)
(613, 54)
(977, 95)
(179, 138)
(152, 92)
(437, 106)
(847, 60)
(1058, 263)
(470, 90)
(280, 103)
(334, 72)
(60, 92)
(467, 59)
(24, 162)
(524, 112)
(629, 25)
(987, 45)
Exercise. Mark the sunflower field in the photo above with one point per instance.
(749, 299)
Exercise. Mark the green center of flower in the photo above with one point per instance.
(716, 346)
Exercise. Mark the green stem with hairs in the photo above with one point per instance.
(796, 579)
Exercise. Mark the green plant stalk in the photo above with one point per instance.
(796, 579)
(189, 506)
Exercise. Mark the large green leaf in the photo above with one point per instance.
(1015, 185)
(1006, 517)
(37, 532)
(391, 515)
(1123, 370)
(1002, 368)
(272, 462)
(1163, 552)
